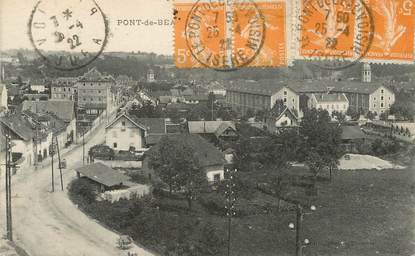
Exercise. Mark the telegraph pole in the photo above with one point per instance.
(298, 240)
(9, 234)
(230, 201)
(53, 178)
(59, 159)
(83, 147)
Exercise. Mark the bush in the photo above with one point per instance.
(213, 202)
(83, 188)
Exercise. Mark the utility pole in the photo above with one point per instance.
(83, 147)
(53, 178)
(230, 201)
(298, 240)
(60, 163)
(8, 165)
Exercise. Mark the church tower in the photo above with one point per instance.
(366, 73)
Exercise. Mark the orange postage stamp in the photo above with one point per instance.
(332, 30)
(394, 31)
(227, 35)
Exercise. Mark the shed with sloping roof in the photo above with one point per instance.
(106, 177)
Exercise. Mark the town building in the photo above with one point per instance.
(64, 88)
(280, 118)
(127, 132)
(224, 130)
(260, 95)
(362, 97)
(3, 98)
(94, 92)
(332, 102)
(22, 135)
(104, 177)
(352, 138)
(151, 76)
(38, 88)
(64, 110)
(210, 159)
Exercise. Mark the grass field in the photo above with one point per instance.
(358, 213)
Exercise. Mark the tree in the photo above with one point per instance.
(340, 117)
(148, 110)
(321, 140)
(370, 115)
(353, 113)
(177, 165)
(199, 112)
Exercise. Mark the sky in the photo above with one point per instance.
(14, 17)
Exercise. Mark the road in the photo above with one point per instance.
(49, 224)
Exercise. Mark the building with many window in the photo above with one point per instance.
(260, 95)
(63, 88)
(332, 102)
(94, 92)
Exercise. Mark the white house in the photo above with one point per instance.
(329, 101)
(381, 99)
(126, 132)
(22, 135)
(281, 117)
(3, 97)
(40, 88)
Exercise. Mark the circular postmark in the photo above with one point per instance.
(225, 35)
(336, 33)
(68, 35)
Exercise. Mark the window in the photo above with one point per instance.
(293, 100)
(216, 177)
(381, 98)
(64, 89)
(99, 91)
(381, 91)
(84, 84)
(92, 99)
(374, 105)
(381, 105)
(123, 123)
(374, 98)
(115, 144)
(285, 92)
(285, 99)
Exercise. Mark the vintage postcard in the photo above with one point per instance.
(207, 127)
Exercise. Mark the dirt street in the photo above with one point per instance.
(49, 224)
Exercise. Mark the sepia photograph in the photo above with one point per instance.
(207, 128)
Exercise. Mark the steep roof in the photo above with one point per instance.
(151, 125)
(208, 126)
(93, 75)
(64, 109)
(330, 97)
(20, 126)
(206, 153)
(262, 87)
(352, 133)
(103, 174)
